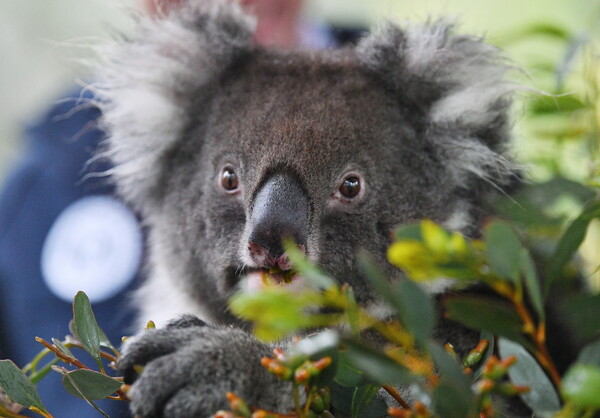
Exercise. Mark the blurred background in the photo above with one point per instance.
(44, 45)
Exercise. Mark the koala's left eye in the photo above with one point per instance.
(350, 187)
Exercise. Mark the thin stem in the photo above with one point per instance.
(38, 375)
(31, 366)
(296, 396)
(39, 411)
(538, 335)
(309, 399)
(396, 395)
(67, 359)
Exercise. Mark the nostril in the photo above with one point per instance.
(260, 255)
(284, 261)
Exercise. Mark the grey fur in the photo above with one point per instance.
(420, 115)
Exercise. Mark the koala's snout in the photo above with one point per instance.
(280, 212)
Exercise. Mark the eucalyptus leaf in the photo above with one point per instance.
(449, 402)
(90, 385)
(410, 231)
(347, 374)
(581, 386)
(18, 387)
(542, 397)
(307, 269)
(365, 403)
(590, 354)
(86, 327)
(376, 366)
(414, 307)
(485, 335)
(503, 250)
(341, 398)
(532, 283)
(80, 393)
(567, 103)
(570, 242)
(62, 348)
(451, 372)
(485, 313)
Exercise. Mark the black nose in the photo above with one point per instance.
(280, 212)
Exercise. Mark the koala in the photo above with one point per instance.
(226, 148)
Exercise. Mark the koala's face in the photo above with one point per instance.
(311, 148)
(228, 149)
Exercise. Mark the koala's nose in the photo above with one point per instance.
(280, 212)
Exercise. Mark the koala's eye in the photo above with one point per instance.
(229, 180)
(350, 187)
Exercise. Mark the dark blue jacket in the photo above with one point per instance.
(46, 181)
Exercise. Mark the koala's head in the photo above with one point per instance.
(226, 148)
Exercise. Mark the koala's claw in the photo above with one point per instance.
(189, 367)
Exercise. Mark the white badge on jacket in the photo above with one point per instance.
(95, 245)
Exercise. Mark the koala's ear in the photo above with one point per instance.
(146, 85)
(457, 83)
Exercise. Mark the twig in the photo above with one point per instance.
(396, 395)
(66, 358)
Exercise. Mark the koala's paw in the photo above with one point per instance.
(188, 367)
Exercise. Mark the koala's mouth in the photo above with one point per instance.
(265, 277)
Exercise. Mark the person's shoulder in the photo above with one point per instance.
(72, 118)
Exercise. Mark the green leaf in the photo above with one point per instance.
(544, 105)
(414, 307)
(590, 354)
(306, 268)
(105, 342)
(86, 327)
(484, 313)
(453, 397)
(347, 374)
(542, 397)
(411, 232)
(376, 366)
(449, 402)
(90, 385)
(341, 398)
(503, 250)
(62, 348)
(485, 335)
(276, 311)
(448, 368)
(18, 387)
(570, 242)
(366, 405)
(581, 386)
(532, 283)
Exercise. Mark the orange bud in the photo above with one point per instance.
(486, 385)
(508, 361)
(420, 408)
(322, 363)
(399, 412)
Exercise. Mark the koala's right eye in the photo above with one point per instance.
(229, 180)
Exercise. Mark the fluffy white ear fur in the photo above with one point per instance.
(143, 85)
(460, 84)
